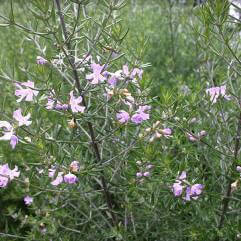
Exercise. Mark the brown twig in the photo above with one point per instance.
(90, 127)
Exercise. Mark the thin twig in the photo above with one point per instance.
(90, 127)
(226, 199)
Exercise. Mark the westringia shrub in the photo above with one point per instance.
(87, 154)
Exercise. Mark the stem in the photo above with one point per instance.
(106, 192)
(229, 187)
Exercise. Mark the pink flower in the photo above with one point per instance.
(27, 93)
(202, 134)
(134, 72)
(166, 132)
(215, 92)
(183, 176)
(150, 166)
(52, 171)
(7, 130)
(138, 72)
(74, 166)
(122, 116)
(177, 189)
(22, 120)
(193, 192)
(238, 168)
(50, 104)
(6, 174)
(58, 106)
(13, 141)
(96, 76)
(58, 180)
(74, 103)
(139, 174)
(125, 70)
(191, 137)
(8, 133)
(146, 174)
(70, 178)
(41, 60)
(28, 200)
(143, 108)
(199, 136)
(114, 77)
(140, 115)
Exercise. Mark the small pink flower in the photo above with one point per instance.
(96, 77)
(138, 174)
(8, 133)
(27, 93)
(13, 141)
(74, 103)
(191, 137)
(238, 168)
(166, 132)
(50, 104)
(146, 174)
(150, 166)
(123, 116)
(74, 166)
(215, 92)
(70, 178)
(202, 133)
(125, 70)
(58, 180)
(114, 78)
(3, 181)
(177, 189)
(28, 200)
(41, 60)
(183, 176)
(22, 120)
(141, 114)
(137, 72)
(193, 192)
(52, 171)
(6, 174)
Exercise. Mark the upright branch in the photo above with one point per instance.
(106, 192)
(229, 187)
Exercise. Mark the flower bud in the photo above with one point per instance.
(146, 174)
(138, 174)
(156, 124)
(72, 123)
(74, 166)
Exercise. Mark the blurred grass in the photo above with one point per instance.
(164, 38)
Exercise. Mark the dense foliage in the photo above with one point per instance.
(120, 120)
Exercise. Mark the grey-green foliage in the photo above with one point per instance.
(164, 36)
(185, 48)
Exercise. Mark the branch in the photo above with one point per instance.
(90, 127)
(229, 187)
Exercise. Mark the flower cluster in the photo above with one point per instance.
(67, 178)
(156, 132)
(215, 92)
(137, 118)
(196, 137)
(28, 200)
(8, 130)
(26, 93)
(192, 191)
(144, 169)
(7, 175)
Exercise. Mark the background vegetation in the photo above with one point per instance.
(183, 51)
